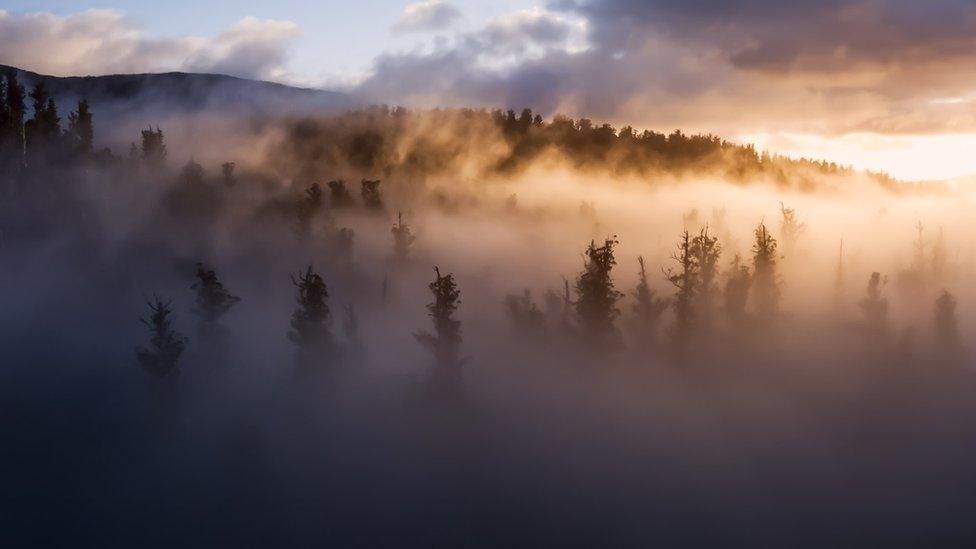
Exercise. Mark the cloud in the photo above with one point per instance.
(427, 16)
(828, 67)
(104, 42)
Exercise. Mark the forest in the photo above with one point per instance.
(439, 321)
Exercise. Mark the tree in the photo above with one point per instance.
(765, 280)
(445, 342)
(81, 132)
(372, 198)
(946, 324)
(686, 281)
(166, 345)
(339, 194)
(310, 322)
(192, 173)
(527, 319)
(737, 284)
(706, 251)
(153, 147)
(213, 300)
(647, 307)
(43, 131)
(875, 307)
(403, 239)
(13, 109)
(790, 227)
(350, 327)
(227, 174)
(306, 209)
(596, 297)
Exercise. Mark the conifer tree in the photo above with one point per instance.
(790, 227)
(765, 280)
(213, 300)
(686, 281)
(946, 324)
(310, 322)
(372, 199)
(153, 147)
(307, 208)
(647, 307)
(445, 342)
(13, 109)
(81, 133)
(339, 194)
(737, 284)
(354, 341)
(227, 174)
(596, 297)
(526, 318)
(706, 252)
(875, 307)
(403, 239)
(166, 345)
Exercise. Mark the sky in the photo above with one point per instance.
(886, 85)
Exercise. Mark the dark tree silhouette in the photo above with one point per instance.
(43, 131)
(737, 284)
(765, 280)
(13, 109)
(403, 239)
(307, 208)
(372, 199)
(153, 147)
(310, 322)
(527, 320)
(227, 174)
(445, 342)
(354, 341)
(596, 297)
(81, 132)
(946, 325)
(686, 281)
(647, 307)
(213, 300)
(339, 194)
(875, 308)
(166, 345)
(706, 251)
(192, 173)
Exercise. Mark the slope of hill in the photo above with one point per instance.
(177, 92)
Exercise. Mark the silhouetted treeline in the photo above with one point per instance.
(384, 141)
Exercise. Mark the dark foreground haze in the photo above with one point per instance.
(630, 339)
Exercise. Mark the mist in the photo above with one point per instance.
(802, 401)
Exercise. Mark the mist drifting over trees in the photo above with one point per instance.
(473, 327)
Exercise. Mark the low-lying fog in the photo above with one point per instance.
(787, 402)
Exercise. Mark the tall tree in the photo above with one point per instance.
(339, 194)
(12, 112)
(213, 300)
(445, 342)
(647, 307)
(596, 297)
(81, 132)
(372, 198)
(706, 252)
(307, 208)
(166, 345)
(686, 280)
(153, 147)
(527, 320)
(738, 280)
(875, 308)
(946, 325)
(765, 279)
(310, 322)
(403, 239)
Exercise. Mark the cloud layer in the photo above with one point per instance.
(105, 41)
(427, 16)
